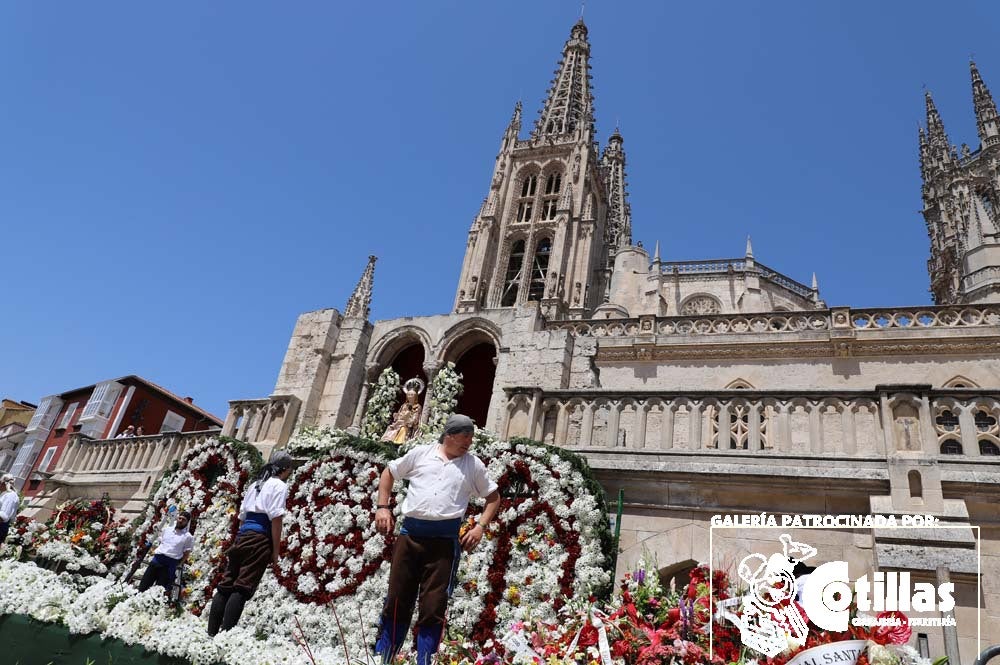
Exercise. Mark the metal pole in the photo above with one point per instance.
(618, 530)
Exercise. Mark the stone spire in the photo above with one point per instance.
(569, 107)
(986, 109)
(619, 222)
(513, 128)
(359, 304)
(749, 253)
(937, 139)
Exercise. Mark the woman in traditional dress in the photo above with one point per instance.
(406, 421)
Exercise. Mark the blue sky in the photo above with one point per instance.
(179, 181)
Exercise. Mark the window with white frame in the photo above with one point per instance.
(68, 415)
(50, 452)
(102, 400)
(172, 422)
(45, 414)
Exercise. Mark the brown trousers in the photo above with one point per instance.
(421, 573)
(248, 559)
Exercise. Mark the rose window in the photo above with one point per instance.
(701, 305)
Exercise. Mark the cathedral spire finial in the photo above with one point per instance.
(619, 221)
(359, 304)
(569, 105)
(986, 109)
(935, 127)
(656, 253)
(749, 248)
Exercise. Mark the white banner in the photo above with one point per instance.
(836, 653)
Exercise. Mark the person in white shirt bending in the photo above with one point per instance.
(9, 502)
(175, 545)
(258, 542)
(443, 476)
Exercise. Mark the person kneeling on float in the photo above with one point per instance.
(443, 476)
(175, 547)
(258, 542)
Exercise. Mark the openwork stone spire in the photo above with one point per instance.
(937, 139)
(359, 304)
(986, 109)
(619, 225)
(570, 105)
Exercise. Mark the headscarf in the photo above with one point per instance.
(280, 461)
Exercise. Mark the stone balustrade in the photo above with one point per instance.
(125, 469)
(942, 317)
(947, 424)
(266, 422)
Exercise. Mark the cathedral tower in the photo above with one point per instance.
(544, 233)
(961, 194)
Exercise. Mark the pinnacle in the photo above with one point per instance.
(359, 304)
(749, 248)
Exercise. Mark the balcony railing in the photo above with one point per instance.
(950, 424)
(935, 317)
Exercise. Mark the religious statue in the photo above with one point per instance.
(406, 421)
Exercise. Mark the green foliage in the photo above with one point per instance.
(381, 402)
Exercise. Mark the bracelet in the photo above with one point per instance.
(382, 505)
(482, 525)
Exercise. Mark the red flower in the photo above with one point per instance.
(891, 628)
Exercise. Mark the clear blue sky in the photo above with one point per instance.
(179, 181)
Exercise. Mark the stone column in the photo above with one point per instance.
(848, 423)
(431, 368)
(562, 425)
(724, 427)
(927, 432)
(371, 376)
(640, 428)
(950, 632)
(694, 426)
(753, 422)
(667, 426)
(888, 436)
(614, 418)
(967, 430)
(785, 426)
(816, 428)
(535, 413)
(587, 428)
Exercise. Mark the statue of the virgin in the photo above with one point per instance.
(407, 419)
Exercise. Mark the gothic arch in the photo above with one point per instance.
(739, 384)
(386, 347)
(960, 381)
(700, 304)
(464, 335)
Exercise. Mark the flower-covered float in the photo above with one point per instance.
(549, 543)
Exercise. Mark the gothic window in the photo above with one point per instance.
(947, 421)
(553, 184)
(529, 185)
(984, 421)
(513, 277)
(539, 268)
(524, 210)
(951, 447)
(988, 448)
(700, 305)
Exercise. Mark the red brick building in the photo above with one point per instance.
(101, 411)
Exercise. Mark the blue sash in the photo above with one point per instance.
(419, 528)
(257, 522)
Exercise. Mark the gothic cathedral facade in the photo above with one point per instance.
(706, 386)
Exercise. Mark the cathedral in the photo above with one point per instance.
(705, 387)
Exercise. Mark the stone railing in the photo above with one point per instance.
(707, 266)
(782, 280)
(125, 470)
(266, 422)
(950, 424)
(967, 316)
(970, 316)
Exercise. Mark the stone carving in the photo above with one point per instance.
(701, 305)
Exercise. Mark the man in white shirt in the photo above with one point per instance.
(443, 477)
(175, 545)
(9, 502)
(258, 542)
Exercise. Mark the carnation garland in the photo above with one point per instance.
(209, 482)
(381, 402)
(445, 388)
